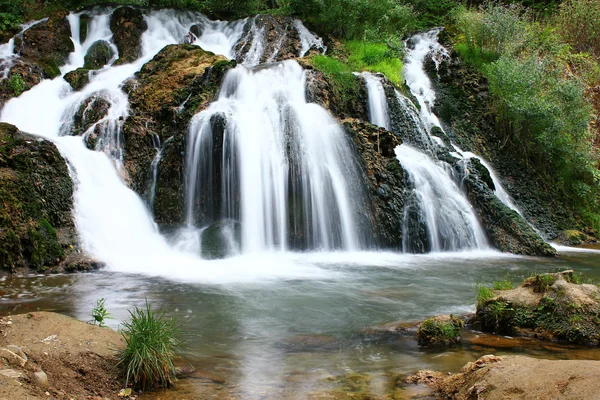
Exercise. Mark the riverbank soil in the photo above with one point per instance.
(78, 359)
(516, 377)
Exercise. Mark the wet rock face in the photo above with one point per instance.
(322, 91)
(168, 91)
(91, 111)
(21, 77)
(505, 228)
(384, 178)
(36, 224)
(279, 36)
(128, 25)
(548, 306)
(48, 44)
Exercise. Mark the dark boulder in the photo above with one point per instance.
(128, 25)
(48, 44)
(98, 55)
(78, 78)
(221, 239)
(178, 82)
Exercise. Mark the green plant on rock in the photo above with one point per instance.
(503, 285)
(99, 313)
(16, 84)
(440, 330)
(152, 343)
(483, 293)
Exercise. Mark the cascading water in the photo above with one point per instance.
(378, 108)
(114, 223)
(9, 55)
(280, 168)
(437, 215)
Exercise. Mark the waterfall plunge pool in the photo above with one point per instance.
(295, 323)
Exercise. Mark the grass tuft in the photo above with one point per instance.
(151, 345)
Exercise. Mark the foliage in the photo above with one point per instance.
(152, 341)
(540, 104)
(355, 19)
(375, 57)
(578, 22)
(483, 293)
(16, 84)
(99, 313)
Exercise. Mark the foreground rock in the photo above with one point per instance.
(548, 306)
(36, 193)
(46, 354)
(516, 377)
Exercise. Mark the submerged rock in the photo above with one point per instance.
(548, 306)
(36, 195)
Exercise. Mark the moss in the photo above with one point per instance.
(16, 84)
(440, 331)
(547, 306)
(44, 248)
(49, 67)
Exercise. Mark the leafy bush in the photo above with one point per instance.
(151, 345)
(579, 23)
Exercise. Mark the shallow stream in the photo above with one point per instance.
(304, 328)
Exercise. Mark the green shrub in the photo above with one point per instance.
(151, 345)
(99, 313)
(578, 22)
(16, 84)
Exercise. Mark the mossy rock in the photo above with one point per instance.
(557, 306)
(78, 78)
(36, 195)
(98, 55)
(441, 330)
(128, 25)
(220, 239)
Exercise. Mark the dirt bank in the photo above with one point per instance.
(78, 359)
(516, 377)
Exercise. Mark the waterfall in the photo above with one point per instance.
(378, 108)
(282, 167)
(437, 215)
(308, 40)
(9, 55)
(297, 189)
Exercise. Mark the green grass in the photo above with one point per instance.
(375, 57)
(483, 293)
(151, 347)
(503, 285)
